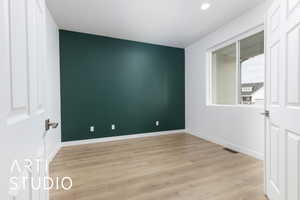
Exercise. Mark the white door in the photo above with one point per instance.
(53, 137)
(22, 96)
(283, 101)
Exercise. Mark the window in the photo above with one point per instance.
(237, 72)
(252, 66)
(224, 79)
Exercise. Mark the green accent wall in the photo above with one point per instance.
(107, 81)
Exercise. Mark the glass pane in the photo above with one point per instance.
(224, 75)
(252, 62)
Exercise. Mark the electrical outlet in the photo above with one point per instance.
(92, 129)
(113, 127)
(157, 123)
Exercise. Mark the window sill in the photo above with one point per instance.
(235, 106)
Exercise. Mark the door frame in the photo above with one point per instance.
(265, 103)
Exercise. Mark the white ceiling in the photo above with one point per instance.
(176, 23)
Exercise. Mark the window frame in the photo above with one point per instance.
(209, 66)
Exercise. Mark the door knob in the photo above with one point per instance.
(49, 124)
(266, 113)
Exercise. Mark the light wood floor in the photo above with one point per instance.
(169, 167)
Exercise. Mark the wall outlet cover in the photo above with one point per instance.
(113, 127)
(92, 129)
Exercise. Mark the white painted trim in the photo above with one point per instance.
(116, 138)
(238, 148)
(52, 154)
(240, 36)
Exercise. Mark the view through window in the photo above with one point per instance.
(252, 64)
(239, 81)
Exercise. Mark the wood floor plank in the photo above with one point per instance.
(169, 167)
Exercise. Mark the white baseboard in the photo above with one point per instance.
(215, 140)
(53, 153)
(116, 138)
(238, 148)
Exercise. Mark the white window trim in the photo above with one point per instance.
(209, 86)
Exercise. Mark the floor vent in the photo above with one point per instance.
(230, 150)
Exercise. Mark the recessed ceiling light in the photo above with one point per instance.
(205, 6)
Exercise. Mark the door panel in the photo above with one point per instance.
(274, 59)
(292, 4)
(293, 67)
(292, 111)
(293, 165)
(19, 77)
(283, 101)
(274, 156)
(274, 166)
(275, 20)
(274, 48)
(40, 33)
(22, 108)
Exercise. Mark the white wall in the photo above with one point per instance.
(53, 137)
(237, 127)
